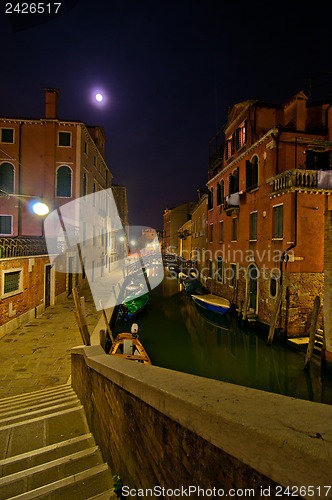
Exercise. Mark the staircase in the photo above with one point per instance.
(47, 451)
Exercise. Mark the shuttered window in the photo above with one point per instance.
(278, 221)
(5, 224)
(253, 226)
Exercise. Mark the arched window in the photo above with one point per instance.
(63, 182)
(7, 177)
(252, 173)
(210, 199)
(218, 194)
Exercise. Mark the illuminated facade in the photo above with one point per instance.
(269, 188)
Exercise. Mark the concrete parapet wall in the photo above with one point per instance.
(160, 427)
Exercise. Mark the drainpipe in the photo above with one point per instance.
(284, 257)
(19, 204)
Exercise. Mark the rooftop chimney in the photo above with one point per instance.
(51, 103)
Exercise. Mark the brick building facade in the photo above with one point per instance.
(269, 187)
(56, 161)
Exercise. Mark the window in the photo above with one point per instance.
(210, 269)
(278, 221)
(64, 139)
(210, 199)
(220, 193)
(234, 181)
(273, 286)
(253, 226)
(84, 184)
(241, 135)
(317, 160)
(12, 282)
(211, 233)
(233, 275)
(63, 182)
(234, 229)
(7, 177)
(6, 224)
(7, 135)
(85, 147)
(219, 271)
(252, 173)
(221, 231)
(94, 161)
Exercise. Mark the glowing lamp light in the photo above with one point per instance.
(99, 97)
(121, 238)
(133, 242)
(40, 208)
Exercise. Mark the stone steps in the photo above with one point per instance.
(47, 451)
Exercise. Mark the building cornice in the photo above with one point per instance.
(268, 134)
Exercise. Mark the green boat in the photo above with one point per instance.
(133, 305)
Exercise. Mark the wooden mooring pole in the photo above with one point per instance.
(312, 333)
(274, 317)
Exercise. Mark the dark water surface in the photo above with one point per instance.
(178, 335)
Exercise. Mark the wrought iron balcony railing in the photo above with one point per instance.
(22, 246)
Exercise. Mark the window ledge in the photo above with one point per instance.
(252, 190)
(253, 241)
(277, 239)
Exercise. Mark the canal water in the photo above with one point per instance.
(178, 335)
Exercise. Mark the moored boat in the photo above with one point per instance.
(133, 305)
(128, 346)
(212, 303)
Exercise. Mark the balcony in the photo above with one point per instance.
(313, 181)
(232, 204)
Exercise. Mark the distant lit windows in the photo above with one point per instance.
(64, 139)
(7, 135)
(7, 178)
(278, 215)
(235, 141)
(6, 224)
(252, 173)
(63, 182)
(253, 226)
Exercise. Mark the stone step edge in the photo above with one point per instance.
(32, 394)
(48, 465)
(44, 417)
(45, 404)
(45, 449)
(48, 409)
(36, 399)
(68, 481)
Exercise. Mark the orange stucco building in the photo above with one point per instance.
(49, 159)
(270, 182)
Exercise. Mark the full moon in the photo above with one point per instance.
(99, 97)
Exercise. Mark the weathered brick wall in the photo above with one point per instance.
(147, 448)
(32, 295)
(300, 290)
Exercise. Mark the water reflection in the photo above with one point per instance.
(177, 335)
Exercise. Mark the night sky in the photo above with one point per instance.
(169, 70)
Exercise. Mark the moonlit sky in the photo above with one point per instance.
(168, 72)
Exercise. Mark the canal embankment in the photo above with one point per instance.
(161, 427)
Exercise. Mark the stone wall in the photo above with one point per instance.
(158, 427)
